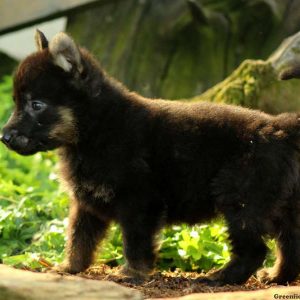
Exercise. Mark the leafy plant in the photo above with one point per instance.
(198, 248)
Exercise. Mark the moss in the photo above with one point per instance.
(243, 86)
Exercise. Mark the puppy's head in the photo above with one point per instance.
(45, 92)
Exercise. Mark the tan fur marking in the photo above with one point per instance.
(102, 191)
(66, 182)
(280, 134)
(65, 130)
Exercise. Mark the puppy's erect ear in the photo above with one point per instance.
(65, 53)
(40, 40)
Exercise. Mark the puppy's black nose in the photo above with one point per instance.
(6, 138)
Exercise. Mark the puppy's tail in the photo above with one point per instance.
(287, 125)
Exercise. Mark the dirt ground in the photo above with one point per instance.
(170, 284)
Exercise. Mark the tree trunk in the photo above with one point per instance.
(178, 49)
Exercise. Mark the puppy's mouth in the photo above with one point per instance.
(27, 146)
(31, 149)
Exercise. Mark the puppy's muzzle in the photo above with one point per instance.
(12, 139)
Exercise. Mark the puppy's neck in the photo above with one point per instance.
(103, 117)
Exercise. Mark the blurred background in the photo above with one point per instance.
(161, 48)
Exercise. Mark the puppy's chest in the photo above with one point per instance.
(90, 186)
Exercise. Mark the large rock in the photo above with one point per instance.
(24, 285)
(267, 294)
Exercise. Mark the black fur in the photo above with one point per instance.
(146, 163)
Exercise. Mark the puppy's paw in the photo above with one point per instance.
(267, 275)
(136, 274)
(65, 268)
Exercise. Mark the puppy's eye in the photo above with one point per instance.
(37, 105)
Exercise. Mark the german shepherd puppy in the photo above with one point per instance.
(146, 163)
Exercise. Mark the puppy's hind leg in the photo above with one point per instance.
(287, 265)
(248, 254)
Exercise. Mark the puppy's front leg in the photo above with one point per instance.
(84, 233)
(139, 251)
(139, 224)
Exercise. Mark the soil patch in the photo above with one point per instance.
(171, 284)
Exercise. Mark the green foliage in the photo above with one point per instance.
(197, 248)
(33, 217)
